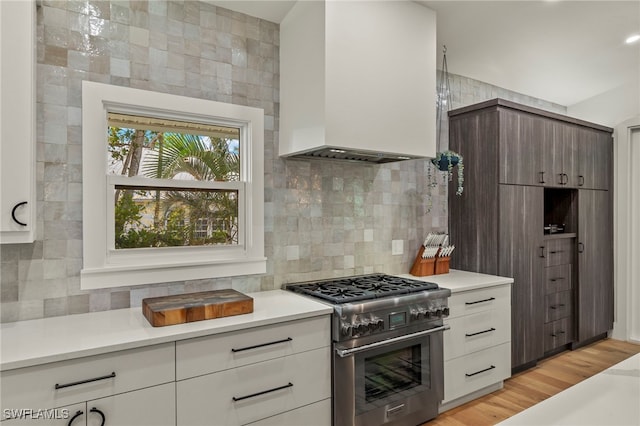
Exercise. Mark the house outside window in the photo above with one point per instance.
(173, 188)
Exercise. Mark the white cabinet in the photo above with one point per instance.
(360, 76)
(135, 386)
(278, 373)
(477, 347)
(17, 121)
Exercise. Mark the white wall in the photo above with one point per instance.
(610, 108)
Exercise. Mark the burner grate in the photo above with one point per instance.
(362, 287)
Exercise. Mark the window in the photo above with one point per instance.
(172, 188)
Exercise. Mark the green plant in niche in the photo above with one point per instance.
(445, 162)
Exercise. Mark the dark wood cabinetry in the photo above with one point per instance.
(527, 169)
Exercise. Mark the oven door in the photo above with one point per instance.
(397, 381)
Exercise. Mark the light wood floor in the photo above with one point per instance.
(529, 387)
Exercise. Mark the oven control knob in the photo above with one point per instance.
(415, 314)
(445, 311)
(360, 328)
(439, 313)
(346, 329)
(380, 324)
(428, 314)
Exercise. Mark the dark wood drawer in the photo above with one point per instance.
(558, 252)
(557, 333)
(557, 305)
(557, 278)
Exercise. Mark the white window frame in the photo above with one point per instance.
(106, 267)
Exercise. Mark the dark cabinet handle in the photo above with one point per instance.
(556, 251)
(560, 178)
(541, 180)
(481, 371)
(480, 301)
(81, 382)
(480, 332)
(565, 178)
(240, 398)
(561, 305)
(100, 413)
(541, 251)
(580, 247)
(13, 213)
(288, 339)
(580, 180)
(553, 280)
(556, 335)
(75, 416)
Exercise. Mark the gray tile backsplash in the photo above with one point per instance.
(322, 218)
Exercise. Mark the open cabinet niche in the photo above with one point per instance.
(560, 211)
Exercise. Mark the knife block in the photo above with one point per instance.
(423, 267)
(442, 265)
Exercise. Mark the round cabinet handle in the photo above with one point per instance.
(75, 416)
(95, 410)
(13, 213)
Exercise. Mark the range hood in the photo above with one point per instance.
(351, 154)
(358, 81)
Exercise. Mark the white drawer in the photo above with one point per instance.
(318, 414)
(134, 369)
(472, 301)
(475, 371)
(208, 399)
(204, 355)
(475, 332)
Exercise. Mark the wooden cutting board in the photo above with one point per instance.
(189, 307)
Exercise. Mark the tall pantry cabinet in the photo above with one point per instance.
(537, 207)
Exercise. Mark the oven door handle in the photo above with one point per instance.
(343, 353)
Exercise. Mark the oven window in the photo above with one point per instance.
(395, 373)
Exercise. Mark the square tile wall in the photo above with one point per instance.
(322, 219)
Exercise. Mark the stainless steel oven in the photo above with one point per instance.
(387, 342)
(396, 381)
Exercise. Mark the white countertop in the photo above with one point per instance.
(27, 343)
(458, 281)
(608, 398)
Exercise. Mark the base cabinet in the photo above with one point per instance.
(477, 347)
(256, 376)
(131, 387)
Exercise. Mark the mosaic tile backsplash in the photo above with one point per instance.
(322, 219)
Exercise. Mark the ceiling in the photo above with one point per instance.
(560, 51)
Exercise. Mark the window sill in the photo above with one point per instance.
(124, 276)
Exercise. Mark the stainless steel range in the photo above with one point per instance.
(387, 342)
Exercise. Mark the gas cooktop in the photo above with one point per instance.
(361, 287)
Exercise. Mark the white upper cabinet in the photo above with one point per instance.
(17, 123)
(359, 76)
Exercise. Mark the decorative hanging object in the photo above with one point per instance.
(444, 161)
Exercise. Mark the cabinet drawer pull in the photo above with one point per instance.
(81, 382)
(481, 371)
(541, 177)
(542, 251)
(580, 180)
(75, 416)
(560, 305)
(246, 348)
(556, 335)
(480, 301)
(240, 398)
(13, 213)
(556, 251)
(480, 332)
(95, 410)
(580, 247)
(553, 280)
